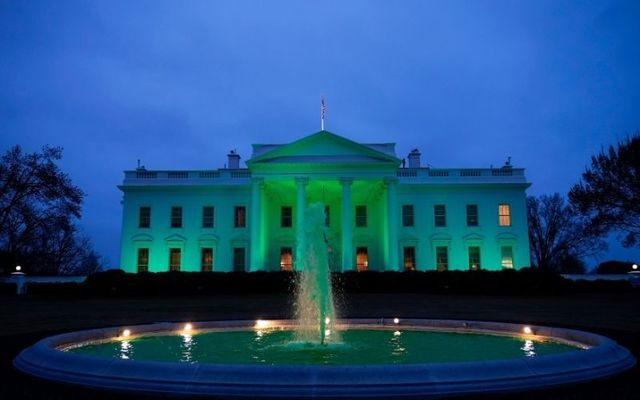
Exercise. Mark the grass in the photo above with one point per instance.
(25, 320)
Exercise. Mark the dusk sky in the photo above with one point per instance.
(178, 84)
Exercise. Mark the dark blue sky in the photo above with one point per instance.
(177, 84)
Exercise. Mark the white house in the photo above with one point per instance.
(380, 214)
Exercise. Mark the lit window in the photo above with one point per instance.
(145, 217)
(361, 216)
(407, 215)
(409, 258)
(442, 258)
(474, 258)
(239, 219)
(362, 259)
(506, 257)
(286, 259)
(504, 215)
(143, 260)
(176, 217)
(439, 215)
(174, 259)
(207, 217)
(286, 217)
(238, 259)
(472, 215)
(206, 264)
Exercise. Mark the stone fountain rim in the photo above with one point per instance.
(604, 357)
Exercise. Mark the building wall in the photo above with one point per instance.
(456, 235)
(191, 237)
(424, 236)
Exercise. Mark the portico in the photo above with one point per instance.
(339, 173)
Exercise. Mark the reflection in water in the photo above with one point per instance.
(397, 347)
(529, 348)
(187, 348)
(125, 349)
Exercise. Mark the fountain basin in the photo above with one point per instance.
(594, 357)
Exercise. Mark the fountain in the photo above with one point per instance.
(314, 306)
(380, 357)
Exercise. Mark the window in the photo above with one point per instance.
(206, 260)
(409, 254)
(239, 217)
(286, 259)
(286, 217)
(176, 217)
(439, 215)
(442, 258)
(472, 215)
(207, 217)
(174, 259)
(362, 259)
(327, 216)
(238, 259)
(143, 260)
(145, 217)
(504, 215)
(361, 216)
(474, 258)
(506, 256)
(407, 215)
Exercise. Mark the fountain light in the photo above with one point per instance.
(527, 330)
(126, 333)
(396, 321)
(261, 324)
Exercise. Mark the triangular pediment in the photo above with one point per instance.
(323, 147)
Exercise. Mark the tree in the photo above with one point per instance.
(557, 236)
(608, 194)
(38, 208)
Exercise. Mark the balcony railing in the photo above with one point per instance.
(144, 177)
(461, 175)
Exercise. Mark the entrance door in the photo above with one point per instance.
(409, 257)
(362, 259)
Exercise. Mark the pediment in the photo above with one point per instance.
(473, 237)
(441, 237)
(323, 147)
(208, 237)
(142, 237)
(506, 236)
(175, 238)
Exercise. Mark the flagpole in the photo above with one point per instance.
(322, 107)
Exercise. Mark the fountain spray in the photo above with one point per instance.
(314, 306)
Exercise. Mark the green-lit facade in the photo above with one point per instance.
(382, 213)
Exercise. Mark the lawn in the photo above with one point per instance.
(26, 319)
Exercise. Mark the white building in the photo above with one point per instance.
(380, 215)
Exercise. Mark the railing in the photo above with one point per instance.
(145, 177)
(461, 175)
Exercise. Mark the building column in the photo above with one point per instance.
(347, 219)
(301, 183)
(256, 261)
(392, 224)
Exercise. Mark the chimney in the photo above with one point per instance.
(414, 159)
(234, 160)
